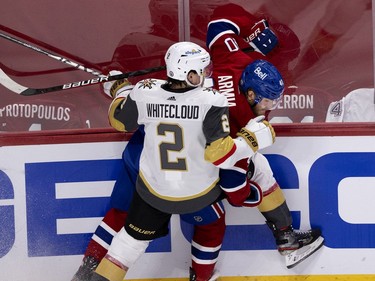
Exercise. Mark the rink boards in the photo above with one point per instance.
(53, 195)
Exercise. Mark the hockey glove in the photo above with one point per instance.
(114, 88)
(258, 133)
(262, 38)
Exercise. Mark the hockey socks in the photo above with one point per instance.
(97, 248)
(112, 223)
(205, 249)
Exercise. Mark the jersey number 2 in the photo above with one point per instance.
(176, 146)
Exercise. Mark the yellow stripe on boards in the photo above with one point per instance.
(357, 277)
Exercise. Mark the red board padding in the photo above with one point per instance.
(62, 136)
(107, 134)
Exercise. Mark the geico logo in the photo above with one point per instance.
(7, 218)
(324, 176)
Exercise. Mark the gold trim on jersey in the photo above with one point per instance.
(116, 124)
(272, 200)
(170, 198)
(218, 149)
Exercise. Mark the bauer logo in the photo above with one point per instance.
(84, 83)
(253, 35)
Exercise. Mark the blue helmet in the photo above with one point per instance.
(264, 79)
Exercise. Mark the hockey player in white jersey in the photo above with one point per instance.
(186, 141)
(357, 106)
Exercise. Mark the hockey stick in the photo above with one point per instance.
(53, 56)
(20, 73)
(7, 82)
(46, 46)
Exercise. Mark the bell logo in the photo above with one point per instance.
(261, 75)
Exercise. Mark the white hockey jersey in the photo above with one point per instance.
(357, 106)
(175, 175)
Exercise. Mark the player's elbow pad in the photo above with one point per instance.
(226, 152)
(116, 124)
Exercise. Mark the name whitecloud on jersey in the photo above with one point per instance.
(172, 111)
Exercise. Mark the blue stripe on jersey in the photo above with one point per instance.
(207, 215)
(104, 235)
(231, 178)
(207, 256)
(217, 27)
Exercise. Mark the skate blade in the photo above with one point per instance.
(215, 276)
(294, 258)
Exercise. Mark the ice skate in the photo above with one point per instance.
(193, 277)
(85, 271)
(98, 277)
(296, 246)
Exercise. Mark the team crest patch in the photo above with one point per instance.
(147, 83)
(198, 218)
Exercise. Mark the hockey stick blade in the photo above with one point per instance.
(296, 257)
(9, 83)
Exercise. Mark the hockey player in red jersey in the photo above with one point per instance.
(229, 29)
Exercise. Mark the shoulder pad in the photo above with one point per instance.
(214, 97)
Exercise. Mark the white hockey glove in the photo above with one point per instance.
(114, 88)
(258, 133)
(262, 38)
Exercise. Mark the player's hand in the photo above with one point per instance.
(258, 133)
(114, 88)
(262, 38)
